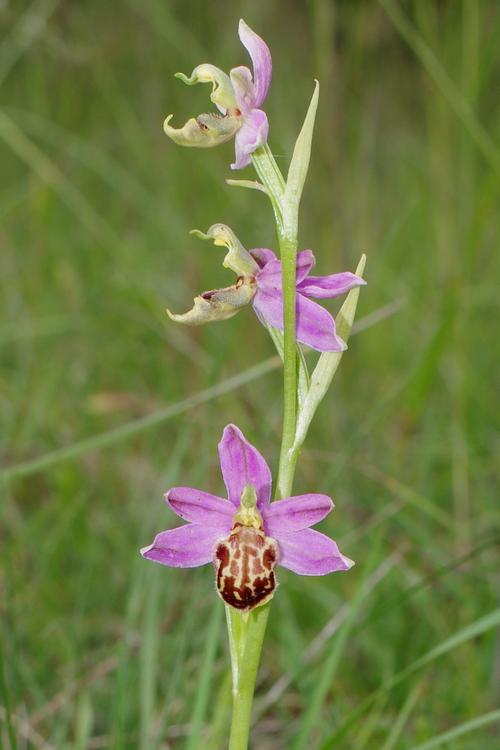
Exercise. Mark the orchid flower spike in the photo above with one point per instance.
(259, 282)
(237, 96)
(246, 536)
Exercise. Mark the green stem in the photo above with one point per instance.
(246, 631)
(286, 466)
(246, 635)
(272, 179)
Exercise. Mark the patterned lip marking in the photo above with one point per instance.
(245, 562)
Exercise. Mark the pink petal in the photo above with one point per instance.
(269, 278)
(261, 60)
(323, 287)
(252, 134)
(310, 553)
(262, 255)
(244, 90)
(269, 308)
(315, 326)
(242, 464)
(295, 513)
(185, 547)
(201, 508)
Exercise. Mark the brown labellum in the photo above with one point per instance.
(245, 563)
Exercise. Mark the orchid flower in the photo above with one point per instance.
(238, 97)
(259, 282)
(245, 535)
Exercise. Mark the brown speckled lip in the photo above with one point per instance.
(245, 563)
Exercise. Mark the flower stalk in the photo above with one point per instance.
(285, 199)
(246, 632)
(246, 636)
(272, 179)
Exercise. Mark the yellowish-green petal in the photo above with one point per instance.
(237, 259)
(222, 90)
(204, 131)
(218, 304)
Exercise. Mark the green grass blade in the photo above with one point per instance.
(31, 24)
(50, 173)
(330, 663)
(105, 439)
(203, 691)
(475, 629)
(448, 88)
(149, 665)
(452, 734)
(371, 724)
(84, 722)
(117, 434)
(4, 695)
(322, 640)
(402, 718)
(221, 716)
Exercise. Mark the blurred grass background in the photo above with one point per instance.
(102, 650)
